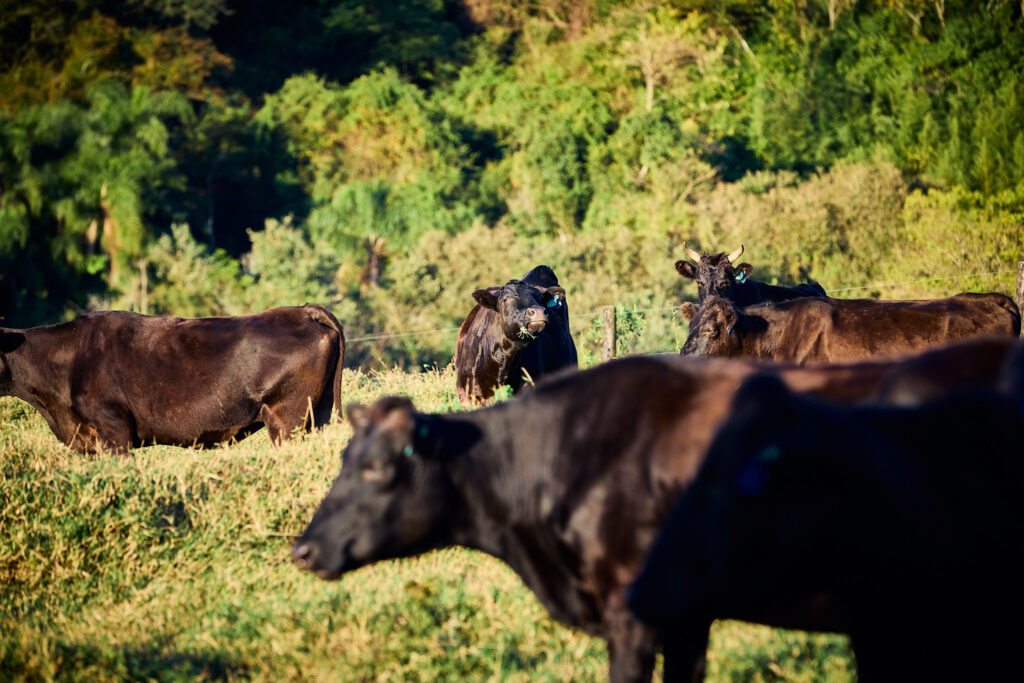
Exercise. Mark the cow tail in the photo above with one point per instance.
(326, 318)
(1008, 303)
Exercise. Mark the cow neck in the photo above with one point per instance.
(506, 508)
(505, 355)
(489, 477)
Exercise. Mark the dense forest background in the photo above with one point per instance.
(207, 157)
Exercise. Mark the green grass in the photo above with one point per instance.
(173, 564)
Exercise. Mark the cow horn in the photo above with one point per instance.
(734, 256)
(695, 255)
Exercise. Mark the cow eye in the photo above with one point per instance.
(710, 332)
(377, 472)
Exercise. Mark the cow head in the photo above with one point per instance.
(522, 308)
(10, 340)
(716, 329)
(392, 497)
(716, 275)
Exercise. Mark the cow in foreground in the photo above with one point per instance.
(567, 484)
(116, 380)
(516, 329)
(716, 275)
(908, 519)
(821, 330)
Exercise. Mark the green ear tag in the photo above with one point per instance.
(407, 451)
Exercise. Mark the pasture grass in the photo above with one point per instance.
(172, 564)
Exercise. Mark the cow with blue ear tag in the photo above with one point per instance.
(896, 525)
(720, 275)
(517, 332)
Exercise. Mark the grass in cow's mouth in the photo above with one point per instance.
(174, 564)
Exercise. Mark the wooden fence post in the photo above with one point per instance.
(1020, 290)
(143, 287)
(608, 352)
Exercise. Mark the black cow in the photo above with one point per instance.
(1011, 378)
(568, 484)
(908, 520)
(716, 275)
(118, 380)
(520, 326)
(823, 330)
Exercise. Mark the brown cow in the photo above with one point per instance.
(822, 330)
(568, 484)
(716, 275)
(521, 325)
(118, 380)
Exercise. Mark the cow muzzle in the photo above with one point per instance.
(536, 319)
(305, 555)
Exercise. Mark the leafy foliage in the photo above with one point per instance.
(398, 155)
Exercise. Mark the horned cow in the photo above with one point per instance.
(719, 275)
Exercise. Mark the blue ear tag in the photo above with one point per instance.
(554, 303)
(730, 330)
(741, 275)
(407, 451)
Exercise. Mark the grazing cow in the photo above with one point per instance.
(567, 484)
(118, 380)
(907, 519)
(520, 326)
(716, 275)
(822, 330)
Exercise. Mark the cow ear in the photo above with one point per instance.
(553, 297)
(436, 437)
(687, 270)
(743, 271)
(488, 298)
(687, 310)
(358, 415)
(10, 340)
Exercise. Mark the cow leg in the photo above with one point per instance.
(630, 650)
(103, 427)
(282, 418)
(685, 650)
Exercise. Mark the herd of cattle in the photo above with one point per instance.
(841, 465)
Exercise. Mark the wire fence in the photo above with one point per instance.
(637, 330)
